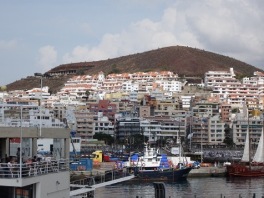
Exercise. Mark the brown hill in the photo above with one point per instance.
(185, 61)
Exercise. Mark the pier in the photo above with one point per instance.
(85, 189)
(91, 180)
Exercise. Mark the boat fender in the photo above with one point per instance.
(143, 164)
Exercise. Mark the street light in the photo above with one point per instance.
(20, 150)
(40, 106)
(202, 128)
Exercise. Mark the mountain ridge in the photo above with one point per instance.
(185, 61)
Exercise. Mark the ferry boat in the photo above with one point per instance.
(20, 174)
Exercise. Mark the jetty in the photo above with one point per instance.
(208, 172)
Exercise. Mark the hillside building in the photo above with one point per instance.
(217, 78)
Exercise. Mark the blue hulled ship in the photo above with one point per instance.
(155, 166)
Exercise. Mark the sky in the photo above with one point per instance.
(36, 36)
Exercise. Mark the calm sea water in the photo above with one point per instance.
(209, 187)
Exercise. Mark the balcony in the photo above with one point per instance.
(14, 174)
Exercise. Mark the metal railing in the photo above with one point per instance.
(90, 183)
(14, 170)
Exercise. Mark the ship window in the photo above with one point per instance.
(25, 192)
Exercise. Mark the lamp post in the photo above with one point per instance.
(142, 132)
(202, 128)
(40, 105)
(20, 150)
(191, 133)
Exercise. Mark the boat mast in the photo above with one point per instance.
(249, 143)
(249, 139)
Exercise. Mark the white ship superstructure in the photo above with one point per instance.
(21, 175)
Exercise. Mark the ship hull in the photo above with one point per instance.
(163, 175)
(245, 171)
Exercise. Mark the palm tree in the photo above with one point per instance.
(87, 93)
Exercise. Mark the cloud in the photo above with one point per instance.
(234, 28)
(8, 45)
(47, 58)
(78, 54)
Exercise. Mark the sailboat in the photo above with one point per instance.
(248, 168)
(259, 155)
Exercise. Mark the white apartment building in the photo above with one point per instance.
(130, 86)
(257, 79)
(37, 93)
(141, 82)
(173, 128)
(236, 94)
(230, 90)
(214, 78)
(170, 85)
(216, 130)
(32, 116)
(103, 125)
(151, 129)
(240, 127)
(112, 85)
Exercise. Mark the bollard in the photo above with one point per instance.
(160, 191)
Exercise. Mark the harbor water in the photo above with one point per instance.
(206, 187)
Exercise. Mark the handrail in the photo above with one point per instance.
(12, 170)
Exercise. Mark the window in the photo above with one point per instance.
(25, 192)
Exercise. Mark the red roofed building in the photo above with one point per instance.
(107, 107)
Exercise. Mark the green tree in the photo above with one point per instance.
(228, 136)
(87, 93)
(3, 88)
(138, 141)
(105, 137)
(236, 110)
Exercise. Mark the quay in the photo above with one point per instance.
(208, 172)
